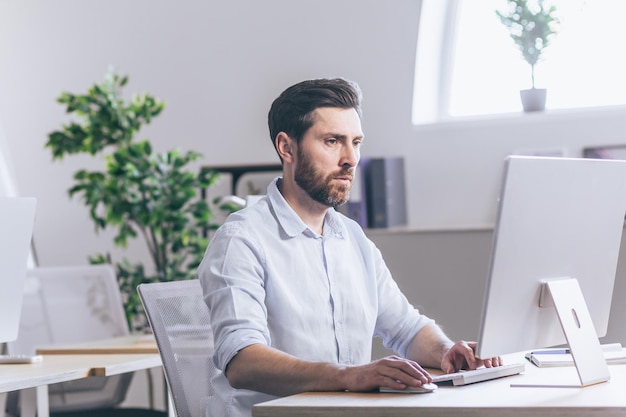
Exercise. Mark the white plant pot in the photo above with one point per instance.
(533, 99)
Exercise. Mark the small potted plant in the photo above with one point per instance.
(532, 25)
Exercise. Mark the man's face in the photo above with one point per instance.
(327, 155)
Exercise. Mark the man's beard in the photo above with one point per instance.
(319, 188)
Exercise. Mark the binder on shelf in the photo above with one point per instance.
(356, 207)
(385, 192)
(377, 199)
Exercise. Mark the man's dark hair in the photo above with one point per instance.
(292, 111)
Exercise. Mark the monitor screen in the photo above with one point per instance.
(17, 216)
(557, 218)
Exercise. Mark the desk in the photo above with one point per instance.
(114, 364)
(134, 344)
(486, 399)
(35, 378)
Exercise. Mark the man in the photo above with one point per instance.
(296, 290)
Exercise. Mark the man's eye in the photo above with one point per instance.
(331, 141)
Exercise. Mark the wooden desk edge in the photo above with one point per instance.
(268, 410)
(102, 350)
(116, 369)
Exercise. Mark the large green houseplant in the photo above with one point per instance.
(531, 24)
(140, 193)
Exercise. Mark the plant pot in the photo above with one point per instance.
(533, 99)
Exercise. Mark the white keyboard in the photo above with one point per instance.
(17, 359)
(478, 375)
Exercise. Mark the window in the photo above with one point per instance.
(467, 64)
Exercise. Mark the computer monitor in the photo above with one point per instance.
(17, 216)
(559, 224)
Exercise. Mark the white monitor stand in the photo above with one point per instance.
(565, 296)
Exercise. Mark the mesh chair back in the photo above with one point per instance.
(180, 321)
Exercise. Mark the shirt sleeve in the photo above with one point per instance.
(232, 278)
(398, 320)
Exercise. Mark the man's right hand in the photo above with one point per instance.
(391, 371)
(264, 369)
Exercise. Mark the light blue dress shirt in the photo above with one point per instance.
(267, 278)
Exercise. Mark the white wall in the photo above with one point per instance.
(218, 65)
(454, 169)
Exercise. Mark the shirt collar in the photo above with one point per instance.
(292, 224)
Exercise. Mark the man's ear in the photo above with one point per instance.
(285, 146)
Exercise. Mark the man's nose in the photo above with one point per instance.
(350, 156)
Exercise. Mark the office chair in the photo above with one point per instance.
(180, 321)
(66, 305)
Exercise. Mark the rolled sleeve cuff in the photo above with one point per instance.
(404, 339)
(234, 343)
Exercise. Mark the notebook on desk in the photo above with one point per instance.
(545, 358)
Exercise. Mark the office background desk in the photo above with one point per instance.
(134, 343)
(493, 398)
(35, 378)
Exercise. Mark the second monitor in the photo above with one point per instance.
(17, 216)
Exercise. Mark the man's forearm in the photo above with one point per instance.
(264, 369)
(429, 346)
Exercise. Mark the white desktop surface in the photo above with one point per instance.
(48, 371)
(62, 368)
(485, 399)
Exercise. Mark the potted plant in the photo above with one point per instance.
(140, 193)
(532, 25)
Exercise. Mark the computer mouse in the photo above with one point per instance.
(429, 387)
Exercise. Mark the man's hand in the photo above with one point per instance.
(462, 356)
(264, 369)
(391, 371)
